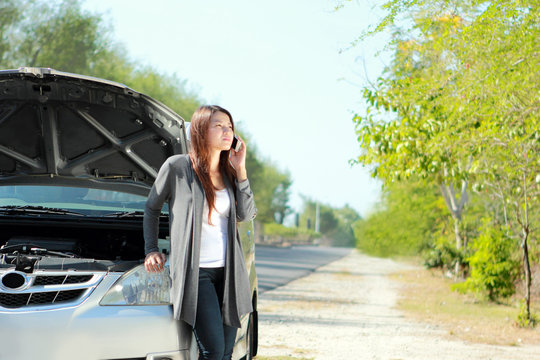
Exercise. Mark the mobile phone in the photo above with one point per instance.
(236, 144)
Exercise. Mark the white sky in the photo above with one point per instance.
(276, 66)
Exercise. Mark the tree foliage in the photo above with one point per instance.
(64, 36)
(271, 187)
(409, 217)
(10, 14)
(459, 106)
(334, 224)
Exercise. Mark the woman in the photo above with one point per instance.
(207, 191)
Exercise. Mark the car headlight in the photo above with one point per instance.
(139, 287)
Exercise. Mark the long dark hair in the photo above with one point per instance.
(200, 153)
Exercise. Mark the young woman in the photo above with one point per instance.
(208, 192)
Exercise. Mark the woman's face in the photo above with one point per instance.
(220, 132)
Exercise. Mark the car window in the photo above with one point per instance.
(93, 202)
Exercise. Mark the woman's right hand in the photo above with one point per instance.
(154, 261)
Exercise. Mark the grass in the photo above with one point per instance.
(426, 296)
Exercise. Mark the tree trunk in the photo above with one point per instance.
(525, 232)
(459, 243)
(527, 271)
(456, 208)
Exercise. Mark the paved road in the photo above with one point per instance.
(278, 266)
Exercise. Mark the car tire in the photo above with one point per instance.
(252, 336)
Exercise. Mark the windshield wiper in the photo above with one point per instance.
(30, 209)
(122, 214)
(135, 214)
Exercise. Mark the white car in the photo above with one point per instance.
(78, 156)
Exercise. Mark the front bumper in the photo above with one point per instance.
(94, 332)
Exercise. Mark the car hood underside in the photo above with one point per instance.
(76, 130)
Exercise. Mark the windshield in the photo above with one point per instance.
(91, 202)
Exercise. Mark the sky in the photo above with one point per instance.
(283, 68)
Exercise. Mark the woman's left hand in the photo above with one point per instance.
(238, 161)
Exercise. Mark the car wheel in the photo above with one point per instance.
(251, 336)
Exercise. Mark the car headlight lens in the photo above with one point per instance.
(139, 287)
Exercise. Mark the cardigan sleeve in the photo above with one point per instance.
(158, 195)
(245, 202)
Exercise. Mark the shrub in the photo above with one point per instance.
(444, 254)
(524, 321)
(494, 271)
(277, 233)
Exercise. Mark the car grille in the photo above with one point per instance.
(39, 298)
(50, 289)
(61, 279)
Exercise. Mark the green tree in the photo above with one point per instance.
(327, 219)
(58, 34)
(280, 202)
(410, 217)
(420, 138)
(335, 224)
(460, 85)
(505, 72)
(10, 14)
(271, 187)
(343, 234)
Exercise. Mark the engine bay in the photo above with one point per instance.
(71, 244)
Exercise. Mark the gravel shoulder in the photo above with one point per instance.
(346, 310)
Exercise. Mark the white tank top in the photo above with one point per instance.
(214, 237)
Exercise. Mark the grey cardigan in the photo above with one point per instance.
(177, 183)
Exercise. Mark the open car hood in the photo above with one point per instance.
(76, 130)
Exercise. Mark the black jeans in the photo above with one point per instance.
(215, 339)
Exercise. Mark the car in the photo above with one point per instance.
(78, 157)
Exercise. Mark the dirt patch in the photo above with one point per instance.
(347, 310)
